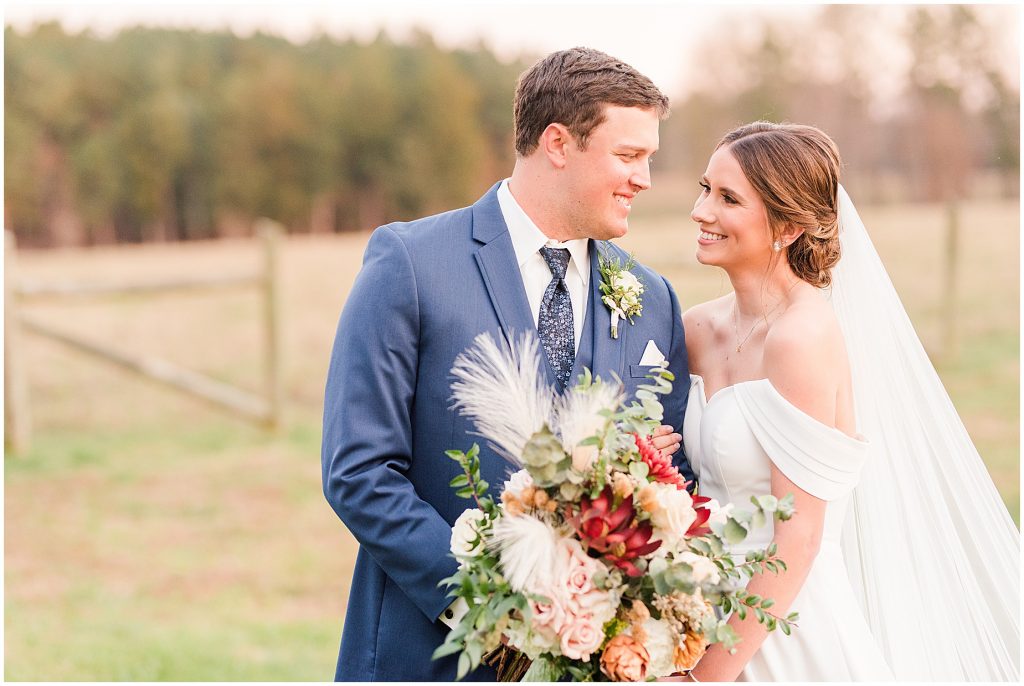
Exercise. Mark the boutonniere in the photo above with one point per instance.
(621, 289)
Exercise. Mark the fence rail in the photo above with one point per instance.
(264, 409)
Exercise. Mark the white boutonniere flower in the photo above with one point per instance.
(621, 289)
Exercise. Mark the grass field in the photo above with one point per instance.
(150, 537)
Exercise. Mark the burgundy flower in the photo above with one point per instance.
(612, 530)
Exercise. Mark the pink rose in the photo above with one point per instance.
(599, 604)
(580, 568)
(548, 618)
(581, 637)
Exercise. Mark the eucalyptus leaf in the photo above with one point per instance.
(757, 520)
(542, 669)
(639, 470)
(446, 649)
(734, 533)
(463, 668)
(475, 651)
(700, 545)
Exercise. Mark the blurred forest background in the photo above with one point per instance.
(167, 135)
(151, 537)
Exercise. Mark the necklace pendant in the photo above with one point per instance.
(738, 348)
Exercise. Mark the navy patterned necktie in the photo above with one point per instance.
(555, 322)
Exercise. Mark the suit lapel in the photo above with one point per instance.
(500, 272)
(609, 353)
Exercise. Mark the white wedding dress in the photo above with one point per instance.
(730, 440)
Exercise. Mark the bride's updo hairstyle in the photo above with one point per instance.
(795, 170)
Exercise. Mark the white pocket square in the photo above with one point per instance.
(652, 356)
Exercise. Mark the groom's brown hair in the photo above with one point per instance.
(572, 87)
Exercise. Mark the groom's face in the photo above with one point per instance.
(602, 181)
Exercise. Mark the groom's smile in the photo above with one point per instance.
(605, 174)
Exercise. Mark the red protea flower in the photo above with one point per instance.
(660, 467)
(612, 531)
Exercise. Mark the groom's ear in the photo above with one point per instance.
(554, 144)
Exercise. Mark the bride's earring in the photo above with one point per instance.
(777, 246)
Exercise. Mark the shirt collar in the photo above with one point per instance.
(527, 239)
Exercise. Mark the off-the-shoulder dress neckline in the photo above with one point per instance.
(775, 391)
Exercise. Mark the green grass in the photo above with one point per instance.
(120, 638)
(147, 555)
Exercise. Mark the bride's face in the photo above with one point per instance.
(731, 218)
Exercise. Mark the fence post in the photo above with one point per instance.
(271, 233)
(17, 420)
(949, 274)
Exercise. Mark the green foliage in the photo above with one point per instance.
(158, 134)
(547, 460)
(469, 484)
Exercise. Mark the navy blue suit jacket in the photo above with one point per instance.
(426, 289)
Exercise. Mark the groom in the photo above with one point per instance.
(524, 258)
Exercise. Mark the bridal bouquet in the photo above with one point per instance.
(596, 562)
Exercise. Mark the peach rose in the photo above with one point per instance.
(689, 652)
(624, 659)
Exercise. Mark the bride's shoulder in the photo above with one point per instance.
(808, 329)
(805, 357)
(704, 317)
(702, 325)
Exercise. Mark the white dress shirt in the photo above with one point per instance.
(527, 240)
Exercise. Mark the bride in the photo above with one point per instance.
(809, 379)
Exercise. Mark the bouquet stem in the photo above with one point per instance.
(510, 664)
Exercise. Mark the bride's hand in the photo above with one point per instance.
(665, 440)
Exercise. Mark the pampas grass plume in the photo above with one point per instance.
(503, 392)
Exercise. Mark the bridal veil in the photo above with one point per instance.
(930, 546)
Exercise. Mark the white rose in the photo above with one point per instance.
(518, 482)
(661, 646)
(532, 642)
(626, 281)
(703, 568)
(465, 531)
(674, 513)
(719, 513)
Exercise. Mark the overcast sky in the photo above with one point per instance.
(656, 38)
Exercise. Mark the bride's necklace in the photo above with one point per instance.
(736, 324)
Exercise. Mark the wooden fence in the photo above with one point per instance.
(264, 409)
